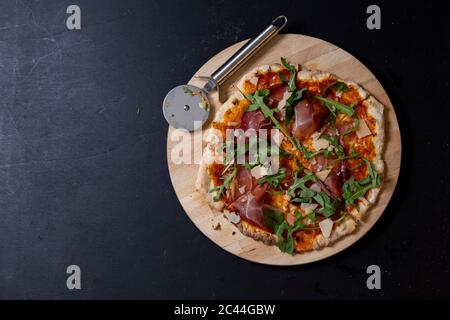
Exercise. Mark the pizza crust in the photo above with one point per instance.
(256, 233)
(376, 110)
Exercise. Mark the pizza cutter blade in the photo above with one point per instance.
(187, 106)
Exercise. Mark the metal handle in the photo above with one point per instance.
(244, 53)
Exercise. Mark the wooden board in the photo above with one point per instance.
(312, 53)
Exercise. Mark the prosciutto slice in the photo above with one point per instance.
(242, 184)
(250, 205)
(276, 95)
(254, 120)
(308, 118)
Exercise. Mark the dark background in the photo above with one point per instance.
(83, 171)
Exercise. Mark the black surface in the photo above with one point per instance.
(83, 172)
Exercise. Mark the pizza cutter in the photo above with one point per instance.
(187, 106)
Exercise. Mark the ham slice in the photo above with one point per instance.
(254, 120)
(276, 94)
(308, 118)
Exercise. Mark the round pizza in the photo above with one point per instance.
(294, 157)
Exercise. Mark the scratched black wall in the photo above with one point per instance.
(83, 172)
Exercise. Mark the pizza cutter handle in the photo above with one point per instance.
(244, 53)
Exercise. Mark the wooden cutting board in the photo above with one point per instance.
(312, 53)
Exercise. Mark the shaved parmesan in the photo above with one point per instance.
(282, 103)
(363, 129)
(259, 172)
(308, 208)
(319, 143)
(326, 226)
(322, 175)
(242, 189)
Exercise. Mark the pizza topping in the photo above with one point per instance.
(322, 175)
(336, 106)
(250, 205)
(319, 143)
(353, 190)
(295, 96)
(326, 226)
(308, 208)
(273, 180)
(276, 95)
(220, 189)
(254, 120)
(292, 74)
(363, 130)
(336, 177)
(304, 120)
(244, 181)
(259, 171)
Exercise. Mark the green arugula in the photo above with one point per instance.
(334, 106)
(282, 77)
(274, 180)
(226, 184)
(338, 148)
(300, 183)
(275, 219)
(292, 74)
(257, 102)
(339, 86)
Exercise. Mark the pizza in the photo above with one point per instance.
(321, 168)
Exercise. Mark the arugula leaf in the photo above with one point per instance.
(339, 149)
(328, 207)
(300, 183)
(290, 102)
(279, 231)
(292, 74)
(252, 107)
(258, 101)
(226, 184)
(272, 217)
(352, 190)
(274, 180)
(282, 77)
(284, 153)
(334, 105)
(354, 128)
